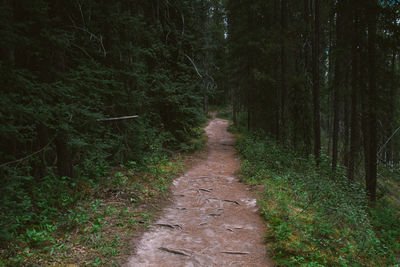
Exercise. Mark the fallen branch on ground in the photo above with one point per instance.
(205, 190)
(235, 252)
(232, 201)
(172, 226)
(173, 251)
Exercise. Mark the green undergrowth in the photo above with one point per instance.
(91, 220)
(316, 217)
(224, 112)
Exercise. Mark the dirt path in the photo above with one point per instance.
(213, 220)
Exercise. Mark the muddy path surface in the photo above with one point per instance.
(213, 218)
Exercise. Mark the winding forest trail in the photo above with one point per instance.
(213, 218)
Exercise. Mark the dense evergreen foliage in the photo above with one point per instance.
(320, 72)
(66, 66)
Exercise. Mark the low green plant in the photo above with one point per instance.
(58, 216)
(38, 237)
(315, 216)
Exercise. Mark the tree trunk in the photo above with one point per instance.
(338, 83)
(8, 52)
(364, 98)
(330, 79)
(283, 69)
(354, 143)
(346, 121)
(372, 100)
(64, 157)
(276, 77)
(206, 103)
(43, 140)
(234, 108)
(392, 95)
(315, 67)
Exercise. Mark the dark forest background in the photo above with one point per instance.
(320, 78)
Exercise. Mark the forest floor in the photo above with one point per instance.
(212, 219)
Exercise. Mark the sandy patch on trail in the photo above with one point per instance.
(213, 218)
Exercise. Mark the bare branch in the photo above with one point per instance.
(83, 50)
(387, 141)
(92, 35)
(30, 155)
(83, 17)
(194, 65)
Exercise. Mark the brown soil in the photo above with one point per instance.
(213, 218)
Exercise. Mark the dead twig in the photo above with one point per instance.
(232, 201)
(30, 155)
(172, 226)
(173, 251)
(205, 190)
(235, 252)
(92, 35)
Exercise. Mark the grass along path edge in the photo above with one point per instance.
(315, 217)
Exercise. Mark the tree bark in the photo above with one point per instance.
(354, 131)
(283, 69)
(337, 84)
(276, 77)
(392, 95)
(64, 157)
(234, 108)
(315, 57)
(331, 68)
(346, 122)
(372, 100)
